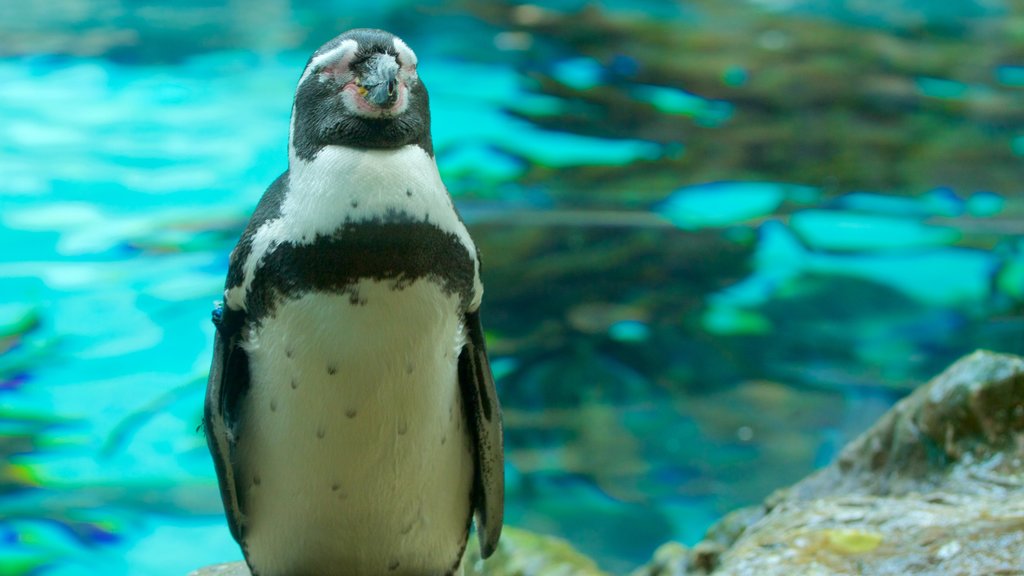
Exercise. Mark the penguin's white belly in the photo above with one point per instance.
(353, 450)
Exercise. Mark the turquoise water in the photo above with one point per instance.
(679, 322)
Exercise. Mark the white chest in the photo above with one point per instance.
(354, 448)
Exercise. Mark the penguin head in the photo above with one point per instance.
(362, 90)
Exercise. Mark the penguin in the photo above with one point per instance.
(350, 410)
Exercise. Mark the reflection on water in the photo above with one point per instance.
(718, 242)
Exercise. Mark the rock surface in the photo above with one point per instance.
(230, 569)
(936, 486)
(522, 553)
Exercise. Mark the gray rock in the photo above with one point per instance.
(914, 534)
(962, 433)
(936, 486)
(231, 569)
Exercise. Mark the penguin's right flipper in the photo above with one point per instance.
(484, 414)
(228, 384)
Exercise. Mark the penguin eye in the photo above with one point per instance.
(333, 71)
(359, 60)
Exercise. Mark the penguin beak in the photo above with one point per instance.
(380, 85)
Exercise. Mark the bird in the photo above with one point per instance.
(351, 410)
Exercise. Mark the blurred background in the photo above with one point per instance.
(720, 239)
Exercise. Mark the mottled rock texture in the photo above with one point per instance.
(936, 486)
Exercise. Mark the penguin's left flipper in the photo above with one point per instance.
(484, 417)
(228, 384)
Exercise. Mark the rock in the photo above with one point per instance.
(522, 553)
(962, 433)
(230, 569)
(671, 559)
(936, 486)
(922, 534)
(519, 553)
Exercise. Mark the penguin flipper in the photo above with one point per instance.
(483, 413)
(228, 383)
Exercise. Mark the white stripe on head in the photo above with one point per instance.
(342, 54)
(406, 57)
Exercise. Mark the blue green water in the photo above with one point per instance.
(670, 344)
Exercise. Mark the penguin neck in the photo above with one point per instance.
(342, 154)
(343, 185)
(379, 134)
(364, 183)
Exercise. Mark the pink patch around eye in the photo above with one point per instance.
(335, 70)
(334, 62)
